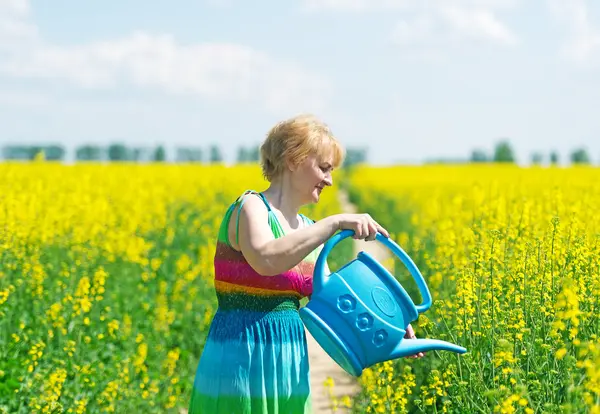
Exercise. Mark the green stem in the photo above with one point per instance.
(493, 321)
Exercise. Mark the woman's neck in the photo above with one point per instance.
(282, 196)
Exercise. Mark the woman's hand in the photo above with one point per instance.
(410, 334)
(363, 225)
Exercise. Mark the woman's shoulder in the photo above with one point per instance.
(250, 202)
(249, 205)
(252, 197)
(243, 195)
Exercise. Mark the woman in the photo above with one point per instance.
(255, 359)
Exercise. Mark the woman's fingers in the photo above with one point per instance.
(366, 228)
(410, 334)
(372, 227)
(381, 230)
(375, 228)
(359, 232)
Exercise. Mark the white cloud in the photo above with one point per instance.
(434, 23)
(381, 5)
(354, 5)
(418, 30)
(14, 7)
(212, 70)
(428, 32)
(478, 23)
(492, 4)
(16, 31)
(583, 44)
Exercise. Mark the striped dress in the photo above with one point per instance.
(255, 359)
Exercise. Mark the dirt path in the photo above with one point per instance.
(329, 382)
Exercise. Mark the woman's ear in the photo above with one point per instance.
(291, 165)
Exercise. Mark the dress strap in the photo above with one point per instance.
(307, 220)
(241, 200)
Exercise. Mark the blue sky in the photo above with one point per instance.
(438, 78)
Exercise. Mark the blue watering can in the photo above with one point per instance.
(359, 314)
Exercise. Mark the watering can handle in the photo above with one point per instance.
(389, 243)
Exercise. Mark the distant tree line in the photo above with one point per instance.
(122, 152)
(503, 152)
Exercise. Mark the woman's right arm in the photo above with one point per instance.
(270, 256)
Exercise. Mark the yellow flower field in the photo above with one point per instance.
(106, 284)
(106, 281)
(512, 259)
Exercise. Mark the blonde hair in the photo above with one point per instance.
(294, 139)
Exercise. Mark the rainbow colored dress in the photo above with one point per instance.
(255, 359)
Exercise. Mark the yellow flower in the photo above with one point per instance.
(560, 354)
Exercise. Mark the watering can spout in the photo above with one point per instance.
(408, 347)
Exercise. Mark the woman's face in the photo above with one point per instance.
(312, 176)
